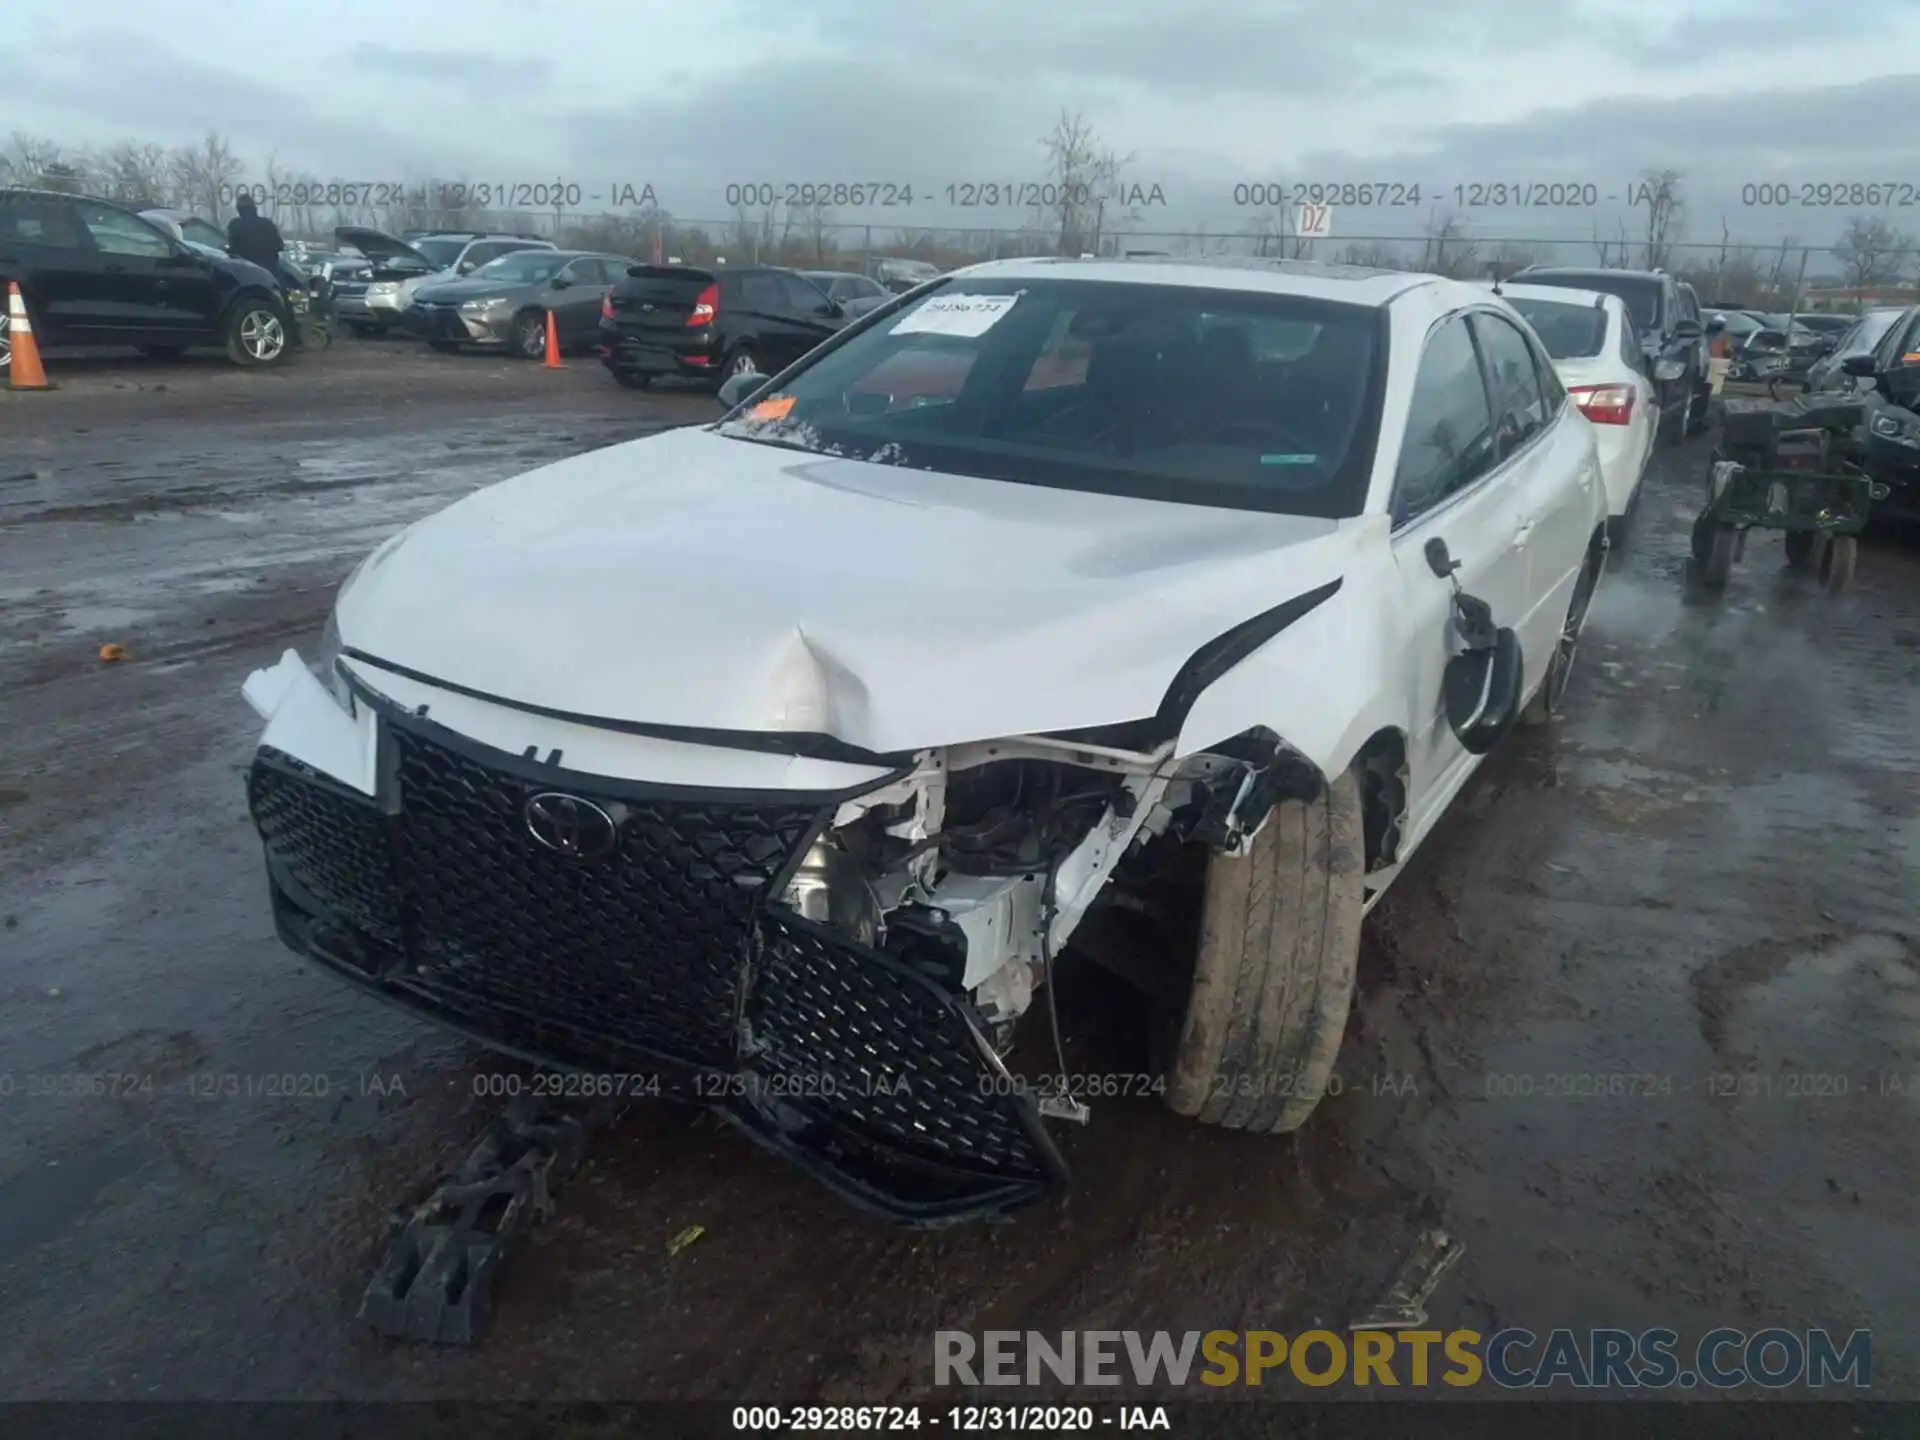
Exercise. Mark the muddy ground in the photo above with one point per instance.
(1707, 869)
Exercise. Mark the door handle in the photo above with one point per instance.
(1523, 529)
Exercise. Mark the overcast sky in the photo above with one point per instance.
(1203, 93)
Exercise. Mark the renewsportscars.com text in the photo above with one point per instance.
(1511, 1359)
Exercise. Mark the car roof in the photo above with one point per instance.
(1559, 295)
(1354, 284)
(1592, 270)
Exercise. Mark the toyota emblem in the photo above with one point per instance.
(570, 826)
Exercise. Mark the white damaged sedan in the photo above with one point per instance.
(1155, 608)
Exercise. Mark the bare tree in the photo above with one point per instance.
(206, 176)
(63, 175)
(1659, 192)
(1083, 174)
(30, 157)
(1446, 247)
(134, 172)
(1374, 255)
(1510, 259)
(1782, 267)
(1871, 252)
(817, 221)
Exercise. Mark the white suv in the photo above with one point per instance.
(1155, 608)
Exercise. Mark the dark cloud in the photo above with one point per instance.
(130, 84)
(1195, 50)
(825, 120)
(471, 68)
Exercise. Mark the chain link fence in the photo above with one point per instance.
(1725, 273)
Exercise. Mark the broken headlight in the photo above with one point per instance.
(326, 664)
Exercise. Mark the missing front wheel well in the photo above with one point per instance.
(1382, 768)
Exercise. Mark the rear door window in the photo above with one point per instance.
(39, 220)
(762, 294)
(1450, 439)
(803, 297)
(1520, 409)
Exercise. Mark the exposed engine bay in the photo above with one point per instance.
(981, 864)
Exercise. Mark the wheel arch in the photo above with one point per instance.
(1382, 767)
(246, 295)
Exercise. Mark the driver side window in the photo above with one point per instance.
(1450, 439)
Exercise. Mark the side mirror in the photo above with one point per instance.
(560, 282)
(465, 267)
(1858, 365)
(1482, 690)
(1688, 330)
(738, 389)
(832, 310)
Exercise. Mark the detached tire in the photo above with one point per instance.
(1717, 564)
(1837, 560)
(1279, 940)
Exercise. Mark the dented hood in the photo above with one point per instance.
(697, 581)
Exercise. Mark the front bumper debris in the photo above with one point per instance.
(666, 963)
(435, 1281)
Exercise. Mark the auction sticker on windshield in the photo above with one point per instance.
(964, 315)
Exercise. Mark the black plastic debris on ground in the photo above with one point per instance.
(434, 1281)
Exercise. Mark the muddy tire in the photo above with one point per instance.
(1803, 548)
(1273, 980)
(1717, 563)
(1837, 560)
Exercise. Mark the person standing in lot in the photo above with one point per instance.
(251, 236)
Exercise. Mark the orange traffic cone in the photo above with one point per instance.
(553, 345)
(26, 371)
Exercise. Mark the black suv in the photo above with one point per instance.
(1889, 379)
(711, 323)
(94, 273)
(1666, 313)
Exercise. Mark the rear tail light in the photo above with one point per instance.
(606, 304)
(704, 306)
(1604, 404)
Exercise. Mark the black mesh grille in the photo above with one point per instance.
(858, 1039)
(647, 948)
(332, 842)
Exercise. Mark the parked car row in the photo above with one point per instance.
(648, 321)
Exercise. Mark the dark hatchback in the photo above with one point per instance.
(701, 323)
(95, 273)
